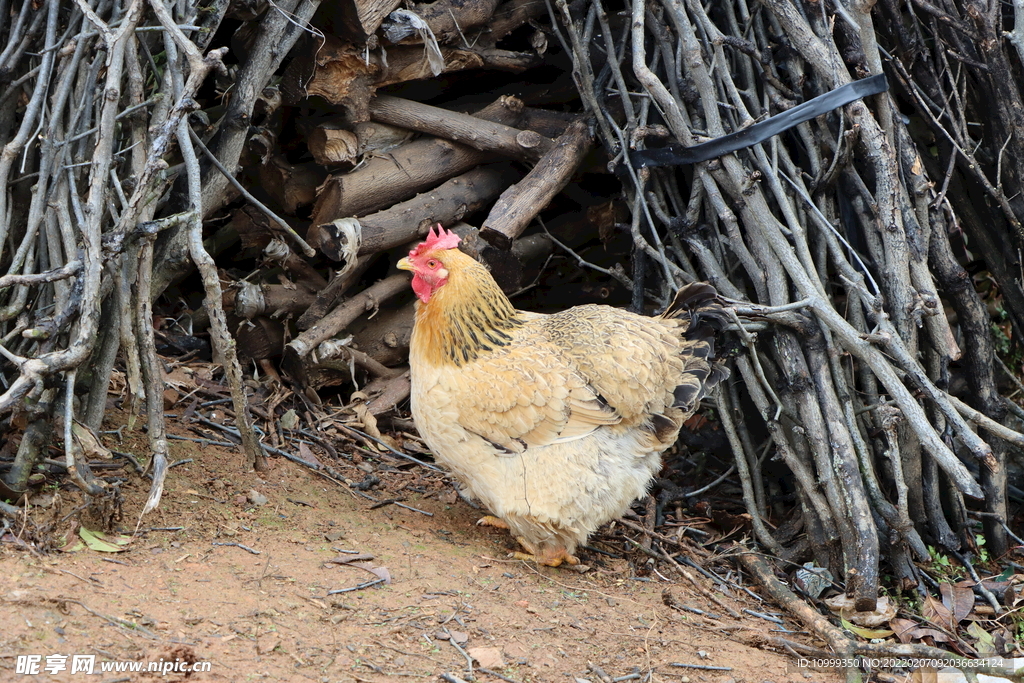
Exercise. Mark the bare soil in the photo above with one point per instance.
(198, 593)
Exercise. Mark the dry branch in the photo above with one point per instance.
(335, 321)
(845, 215)
(385, 337)
(404, 171)
(480, 134)
(512, 15)
(392, 392)
(410, 219)
(521, 203)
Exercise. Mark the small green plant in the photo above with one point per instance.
(1018, 627)
(944, 569)
(979, 539)
(1001, 339)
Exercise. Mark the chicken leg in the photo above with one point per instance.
(549, 556)
(492, 521)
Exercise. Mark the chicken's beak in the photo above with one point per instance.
(404, 264)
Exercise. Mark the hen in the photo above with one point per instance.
(555, 422)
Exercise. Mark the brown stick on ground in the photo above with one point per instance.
(525, 145)
(786, 599)
(406, 170)
(343, 315)
(410, 219)
(519, 204)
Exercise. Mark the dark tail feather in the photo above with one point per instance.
(698, 381)
(699, 301)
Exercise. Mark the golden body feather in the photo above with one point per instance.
(555, 422)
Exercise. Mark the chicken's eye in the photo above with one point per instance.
(432, 264)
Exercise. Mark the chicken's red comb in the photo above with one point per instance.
(441, 239)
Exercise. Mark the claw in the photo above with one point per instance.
(550, 557)
(491, 520)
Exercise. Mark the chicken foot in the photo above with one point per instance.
(550, 556)
(492, 521)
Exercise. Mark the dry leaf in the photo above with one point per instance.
(87, 444)
(866, 633)
(379, 572)
(925, 674)
(986, 643)
(908, 631)
(958, 599)
(937, 613)
(307, 454)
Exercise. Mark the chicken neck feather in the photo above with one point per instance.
(465, 318)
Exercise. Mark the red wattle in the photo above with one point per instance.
(421, 288)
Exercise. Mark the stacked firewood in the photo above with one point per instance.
(370, 169)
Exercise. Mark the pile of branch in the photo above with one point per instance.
(836, 235)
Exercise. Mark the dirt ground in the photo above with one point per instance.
(245, 587)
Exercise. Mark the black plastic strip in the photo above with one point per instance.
(675, 155)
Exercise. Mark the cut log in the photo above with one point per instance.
(291, 186)
(253, 300)
(385, 337)
(344, 74)
(371, 13)
(407, 62)
(412, 219)
(525, 145)
(511, 16)
(260, 338)
(354, 20)
(519, 204)
(387, 393)
(449, 20)
(405, 171)
(335, 143)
